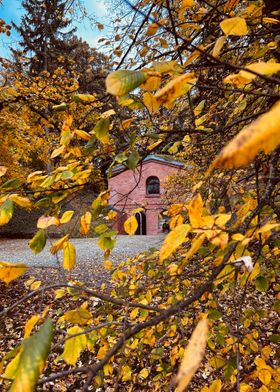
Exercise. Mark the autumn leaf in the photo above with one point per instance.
(174, 89)
(262, 134)
(216, 386)
(38, 242)
(130, 225)
(47, 221)
(83, 98)
(11, 271)
(21, 201)
(85, 223)
(6, 212)
(152, 29)
(122, 82)
(173, 240)
(66, 217)
(58, 245)
(219, 46)
(35, 352)
(82, 134)
(234, 26)
(29, 325)
(193, 355)
(101, 130)
(69, 256)
(77, 316)
(74, 346)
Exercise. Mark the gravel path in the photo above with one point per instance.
(17, 250)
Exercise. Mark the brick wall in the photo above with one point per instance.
(128, 191)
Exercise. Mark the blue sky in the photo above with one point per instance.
(11, 10)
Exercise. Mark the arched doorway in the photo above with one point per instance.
(142, 227)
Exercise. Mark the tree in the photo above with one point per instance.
(205, 89)
(42, 30)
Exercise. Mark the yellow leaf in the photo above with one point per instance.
(35, 285)
(264, 375)
(245, 387)
(150, 102)
(47, 221)
(6, 212)
(59, 293)
(82, 134)
(11, 368)
(144, 373)
(126, 124)
(193, 355)
(58, 151)
(66, 217)
(173, 240)
(152, 83)
(196, 244)
(74, 346)
(270, 20)
(174, 88)
(69, 256)
(262, 134)
(222, 219)
(195, 209)
(134, 314)
(29, 325)
(152, 29)
(112, 214)
(126, 373)
(219, 46)
(77, 316)
(216, 386)
(83, 98)
(261, 68)
(267, 227)
(85, 223)
(58, 245)
(234, 26)
(108, 264)
(21, 201)
(11, 271)
(130, 225)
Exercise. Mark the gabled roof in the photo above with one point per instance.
(158, 158)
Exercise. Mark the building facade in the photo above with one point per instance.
(142, 188)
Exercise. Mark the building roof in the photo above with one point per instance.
(158, 158)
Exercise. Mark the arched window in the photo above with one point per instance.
(152, 186)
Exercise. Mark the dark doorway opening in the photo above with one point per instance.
(142, 227)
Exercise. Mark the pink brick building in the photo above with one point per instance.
(142, 187)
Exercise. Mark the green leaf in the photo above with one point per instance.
(83, 98)
(106, 242)
(11, 184)
(261, 284)
(60, 108)
(38, 242)
(122, 82)
(274, 338)
(101, 130)
(35, 352)
(214, 314)
(132, 160)
(6, 212)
